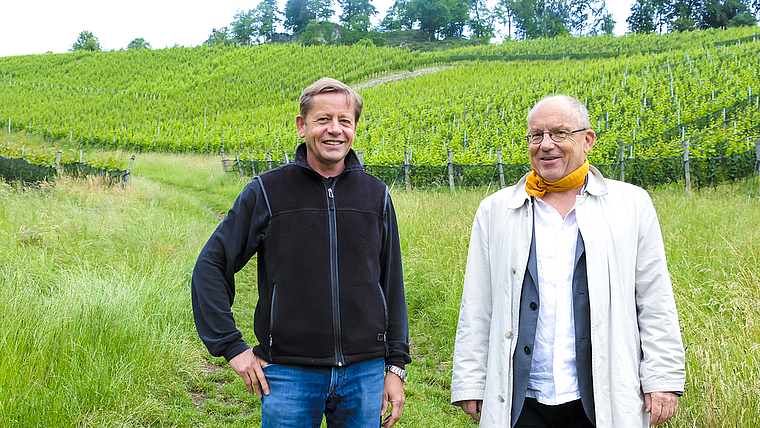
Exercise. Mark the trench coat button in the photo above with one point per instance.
(501, 399)
(527, 350)
(533, 306)
(508, 334)
(514, 271)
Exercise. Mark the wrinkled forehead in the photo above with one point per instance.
(551, 116)
(559, 110)
(328, 100)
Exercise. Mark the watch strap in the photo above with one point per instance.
(398, 371)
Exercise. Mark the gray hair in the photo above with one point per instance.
(325, 85)
(577, 109)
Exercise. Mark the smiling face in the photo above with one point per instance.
(328, 128)
(552, 160)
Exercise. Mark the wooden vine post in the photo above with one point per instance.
(757, 150)
(58, 163)
(407, 179)
(125, 176)
(451, 173)
(501, 167)
(269, 160)
(360, 155)
(224, 163)
(686, 165)
(240, 167)
(621, 162)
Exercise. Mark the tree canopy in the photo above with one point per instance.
(682, 15)
(220, 37)
(356, 14)
(441, 19)
(265, 18)
(243, 28)
(298, 13)
(86, 42)
(137, 44)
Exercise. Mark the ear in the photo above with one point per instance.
(301, 126)
(588, 143)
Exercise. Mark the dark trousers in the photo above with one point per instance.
(568, 415)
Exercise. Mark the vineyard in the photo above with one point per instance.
(646, 95)
(99, 329)
(32, 161)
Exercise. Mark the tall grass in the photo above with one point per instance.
(96, 326)
(713, 245)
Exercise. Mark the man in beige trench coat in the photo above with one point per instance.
(568, 316)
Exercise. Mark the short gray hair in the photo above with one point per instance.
(325, 85)
(577, 109)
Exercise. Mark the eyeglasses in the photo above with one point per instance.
(557, 135)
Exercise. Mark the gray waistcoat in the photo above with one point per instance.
(527, 331)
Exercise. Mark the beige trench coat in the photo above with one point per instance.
(635, 336)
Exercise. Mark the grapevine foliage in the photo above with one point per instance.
(646, 93)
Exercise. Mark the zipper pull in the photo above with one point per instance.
(330, 192)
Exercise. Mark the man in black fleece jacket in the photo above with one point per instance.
(331, 317)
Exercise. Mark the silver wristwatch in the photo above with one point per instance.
(398, 371)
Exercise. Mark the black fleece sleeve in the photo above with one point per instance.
(392, 280)
(229, 248)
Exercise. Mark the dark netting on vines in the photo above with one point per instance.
(81, 170)
(246, 168)
(21, 170)
(713, 171)
(419, 175)
(703, 172)
(641, 172)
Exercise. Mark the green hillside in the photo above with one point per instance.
(646, 92)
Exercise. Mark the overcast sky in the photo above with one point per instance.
(39, 26)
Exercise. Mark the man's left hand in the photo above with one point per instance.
(661, 406)
(393, 392)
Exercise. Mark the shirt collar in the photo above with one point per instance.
(595, 185)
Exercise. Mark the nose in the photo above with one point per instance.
(334, 127)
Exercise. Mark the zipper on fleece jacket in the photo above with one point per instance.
(271, 319)
(333, 227)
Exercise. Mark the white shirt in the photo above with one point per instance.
(631, 304)
(553, 376)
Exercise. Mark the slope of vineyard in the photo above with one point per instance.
(646, 92)
(650, 103)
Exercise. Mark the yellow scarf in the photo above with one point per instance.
(537, 186)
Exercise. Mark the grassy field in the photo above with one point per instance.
(96, 327)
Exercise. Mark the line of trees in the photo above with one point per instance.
(310, 20)
(438, 19)
(684, 15)
(86, 41)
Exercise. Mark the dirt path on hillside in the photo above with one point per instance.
(398, 76)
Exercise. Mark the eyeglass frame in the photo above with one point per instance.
(551, 135)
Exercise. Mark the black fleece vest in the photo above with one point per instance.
(320, 301)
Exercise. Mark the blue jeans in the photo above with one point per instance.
(349, 396)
